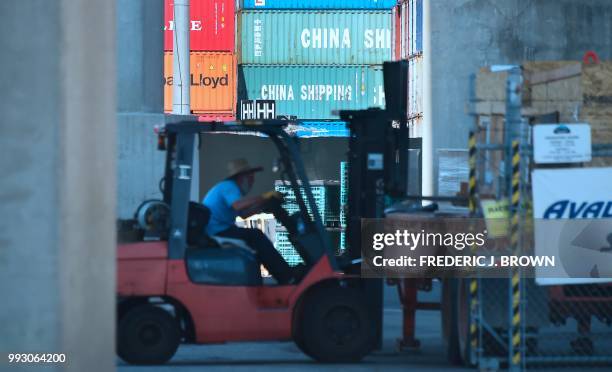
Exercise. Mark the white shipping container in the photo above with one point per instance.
(415, 25)
(415, 86)
(415, 127)
(404, 31)
(411, 28)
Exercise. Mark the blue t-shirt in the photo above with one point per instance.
(219, 200)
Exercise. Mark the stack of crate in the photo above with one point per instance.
(561, 91)
(343, 203)
(212, 59)
(327, 196)
(314, 57)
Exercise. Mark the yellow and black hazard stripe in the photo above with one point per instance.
(514, 241)
(472, 205)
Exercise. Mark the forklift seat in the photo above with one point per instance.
(199, 215)
(217, 260)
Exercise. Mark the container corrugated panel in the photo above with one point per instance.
(316, 4)
(212, 25)
(396, 33)
(313, 92)
(415, 86)
(402, 9)
(411, 28)
(213, 84)
(416, 27)
(315, 37)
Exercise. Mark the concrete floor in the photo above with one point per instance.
(282, 356)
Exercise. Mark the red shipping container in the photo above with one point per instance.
(212, 25)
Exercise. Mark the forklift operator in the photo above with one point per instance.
(226, 200)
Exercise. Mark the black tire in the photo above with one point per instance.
(335, 326)
(450, 334)
(147, 335)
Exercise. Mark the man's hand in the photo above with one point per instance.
(273, 195)
(249, 206)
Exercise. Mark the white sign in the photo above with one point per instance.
(257, 109)
(561, 143)
(572, 210)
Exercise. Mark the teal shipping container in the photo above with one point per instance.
(313, 92)
(316, 4)
(336, 37)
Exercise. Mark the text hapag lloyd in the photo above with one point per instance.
(202, 80)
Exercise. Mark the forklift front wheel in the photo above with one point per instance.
(147, 335)
(336, 326)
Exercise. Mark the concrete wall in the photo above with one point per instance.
(140, 102)
(469, 34)
(57, 232)
(321, 156)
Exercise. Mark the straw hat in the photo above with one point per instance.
(241, 166)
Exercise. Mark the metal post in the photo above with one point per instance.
(512, 134)
(427, 134)
(180, 59)
(515, 333)
(474, 305)
(181, 75)
(513, 120)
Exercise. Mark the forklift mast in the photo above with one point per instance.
(377, 167)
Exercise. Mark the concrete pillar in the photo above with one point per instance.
(140, 101)
(140, 51)
(57, 189)
(427, 183)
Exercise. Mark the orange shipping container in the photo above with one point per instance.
(213, 84)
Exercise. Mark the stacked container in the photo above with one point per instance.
(314, 57)
(212, 58)
(410, 47)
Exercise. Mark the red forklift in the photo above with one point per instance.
(176, 285)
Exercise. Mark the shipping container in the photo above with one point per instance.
(315, 37)
(411, 28)
(415, 86)
(213, 84)
(316, 4)
(212, 25)
(313, 92)
(415, 127)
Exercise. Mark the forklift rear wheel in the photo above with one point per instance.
(147, 335)
(336, 326)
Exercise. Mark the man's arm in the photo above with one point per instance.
(249, 206)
